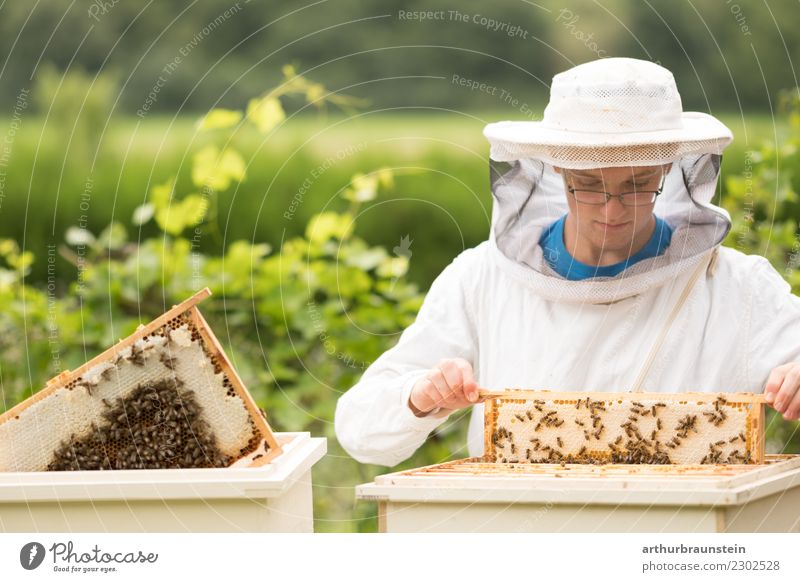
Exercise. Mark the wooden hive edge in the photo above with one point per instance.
(210, 339)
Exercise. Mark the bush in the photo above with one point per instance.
(764, 205)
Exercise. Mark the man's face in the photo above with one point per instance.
(612, 226)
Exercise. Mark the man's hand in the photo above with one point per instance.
(783, 390)
(450, 385)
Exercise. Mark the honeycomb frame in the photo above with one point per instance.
(186, 316)
(575, 439)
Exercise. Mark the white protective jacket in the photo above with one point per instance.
(521, 325)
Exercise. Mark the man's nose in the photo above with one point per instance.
(614, 210)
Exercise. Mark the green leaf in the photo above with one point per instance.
(364, 188)
(176, 217)
(265, 113)
(366, 259)
(395, 267)
(217, 170)
(220, 119)
(160, 194)
(326, 225)
(113, 236)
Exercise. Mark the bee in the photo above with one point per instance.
(578, 422)
(559, 423)
(658, 424)
(560, 443)
(106, 402)
(529, 415)
(136, 357)
(538, 407)
(520, 417)
(106, 374)
(741, 436)
(619, 440)
(653, 436)
(637, 404)
(653, 410)
(258, 456)
(168, 361)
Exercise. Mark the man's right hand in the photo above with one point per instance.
(450, 385)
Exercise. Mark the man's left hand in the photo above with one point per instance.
(782, 390)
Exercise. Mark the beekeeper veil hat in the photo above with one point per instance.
(612, 112)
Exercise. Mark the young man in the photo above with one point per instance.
(603, 271)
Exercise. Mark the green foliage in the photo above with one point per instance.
(764, 205)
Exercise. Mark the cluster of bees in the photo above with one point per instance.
(630, 447)
(157, 426)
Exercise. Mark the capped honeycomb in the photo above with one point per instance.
(524, 426)
(164, 397)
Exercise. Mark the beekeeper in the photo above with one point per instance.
(603, 271)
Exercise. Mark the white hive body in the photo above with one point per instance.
(689, 428)
(163, 393)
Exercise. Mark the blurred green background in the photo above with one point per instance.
(100, 104)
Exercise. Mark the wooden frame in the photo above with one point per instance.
(754, 402)
(188, 311)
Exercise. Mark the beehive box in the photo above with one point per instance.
(525, 426)
(244, 497)
(476, 495)
(166, 397)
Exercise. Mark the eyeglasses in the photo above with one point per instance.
(598, 197)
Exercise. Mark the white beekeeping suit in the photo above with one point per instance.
(700, 317)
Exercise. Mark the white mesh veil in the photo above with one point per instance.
(529, 195)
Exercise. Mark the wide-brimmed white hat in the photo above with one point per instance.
(610, 112)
